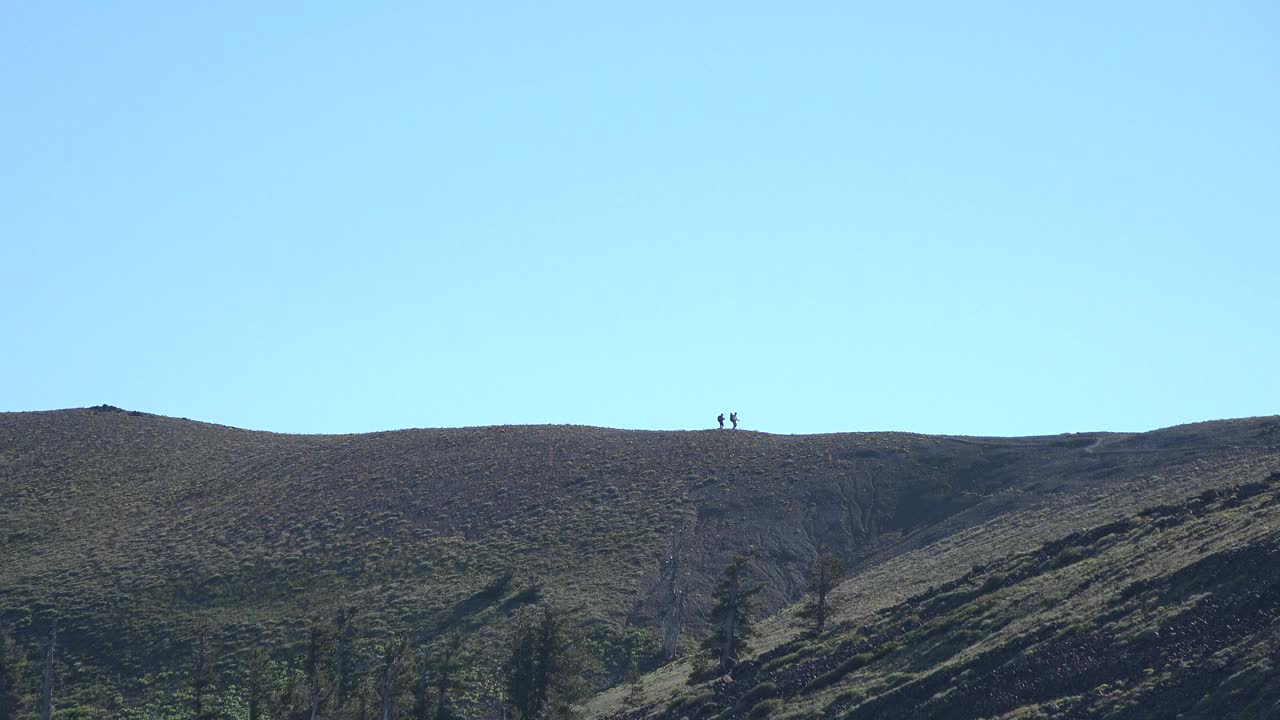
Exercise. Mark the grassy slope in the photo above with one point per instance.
(133, 527)
(1153, 597)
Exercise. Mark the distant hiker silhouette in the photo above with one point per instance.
(733, 418)
(720, 420)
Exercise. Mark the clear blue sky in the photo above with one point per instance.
(975, 218)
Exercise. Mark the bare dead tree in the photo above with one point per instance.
(675, 586)
(201, 672)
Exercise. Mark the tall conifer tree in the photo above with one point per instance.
(257, 682)
(318, 676)
(13, 667)
(344, 628)
(731, 617)
(543, 669)
(390, 677)
(827, 571)
(448, 667)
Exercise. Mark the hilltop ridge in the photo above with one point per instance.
(132, 528)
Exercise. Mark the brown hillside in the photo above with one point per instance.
(132, 526)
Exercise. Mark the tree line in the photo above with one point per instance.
(342, 673)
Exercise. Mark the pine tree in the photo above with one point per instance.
(635, 685)
(12, 669)
(344, 627)
(543, 670)
(257, 682)
(365, 692)
(390, 676)
(286, 700)
(522, 674)
(421, 685)
(731, 617)
(318, 668)
(445, 679)
(827, 571)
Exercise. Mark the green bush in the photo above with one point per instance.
(764, 709)
(799, 654)
(830, 678)
(685, 704)
(851, 696)
(759, 692)
(1068, 556)
(993, 582)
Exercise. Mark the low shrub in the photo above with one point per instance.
(831, 677)
(759, 692)
(764, 709)
(846, 698)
